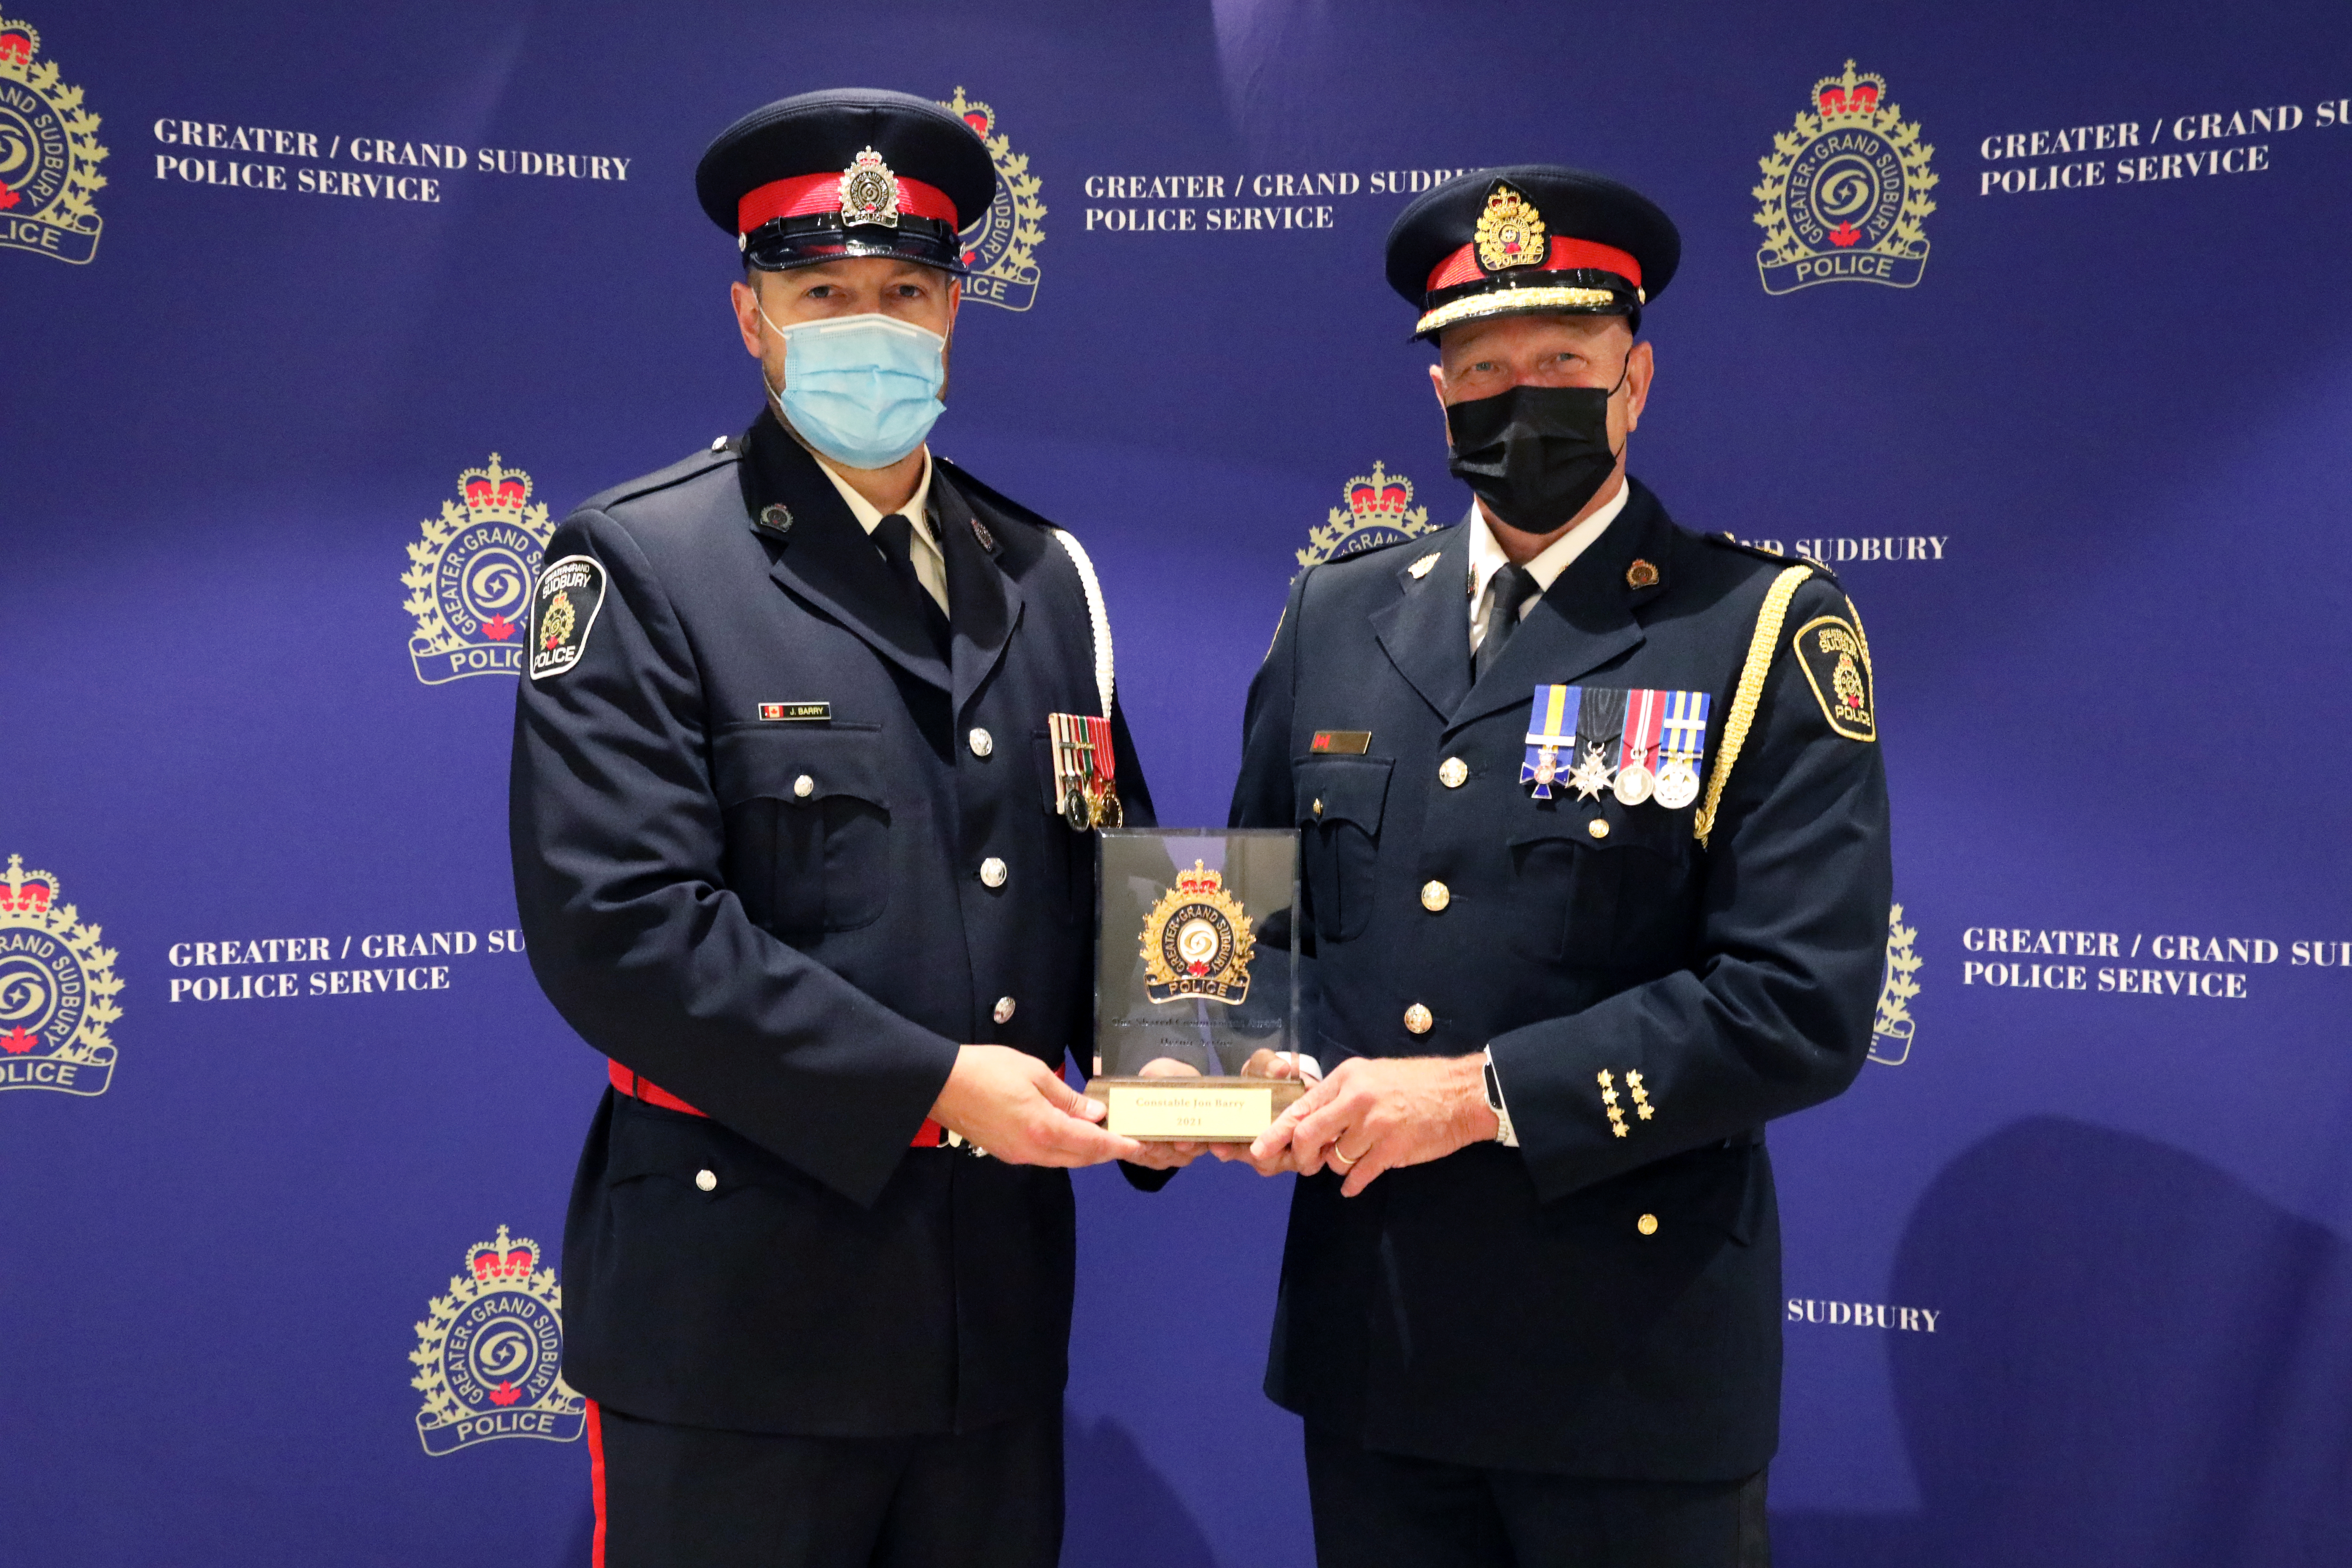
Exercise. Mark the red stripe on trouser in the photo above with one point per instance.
(597, 1477)
(929, 1135)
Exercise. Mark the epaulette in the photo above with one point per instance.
(1733, 542)
(991, 494)
(719, 454)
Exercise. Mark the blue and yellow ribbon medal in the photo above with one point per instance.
(1682, 746)
(1551, 728)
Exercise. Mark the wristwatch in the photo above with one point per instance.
(1505, 1133)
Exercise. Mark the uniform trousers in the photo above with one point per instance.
(691, 1497)
(1389, 1510)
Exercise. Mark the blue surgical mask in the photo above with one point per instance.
(863, 390)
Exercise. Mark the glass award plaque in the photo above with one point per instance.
(1196, 981)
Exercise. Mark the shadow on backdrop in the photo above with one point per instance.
(1121, 1511)
(2147, 1365)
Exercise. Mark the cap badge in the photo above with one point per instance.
(1640, 574)
(1510, 232)
(869, 192)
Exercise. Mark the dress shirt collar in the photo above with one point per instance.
(1486, 557)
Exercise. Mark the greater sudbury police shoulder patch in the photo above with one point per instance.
(1837, 665)
(563, 611)
(57, 990)
(489, 1355)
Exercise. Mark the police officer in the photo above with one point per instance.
(791, 846)
(1595, 845)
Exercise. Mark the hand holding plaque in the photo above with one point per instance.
(1196, 1004)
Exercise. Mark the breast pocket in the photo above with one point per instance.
(1626, 901)
(808, 826)
(1339, 804)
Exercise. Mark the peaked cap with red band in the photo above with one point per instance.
(1531, 238)
(848, 172)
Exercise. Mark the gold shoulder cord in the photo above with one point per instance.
(1760, 650)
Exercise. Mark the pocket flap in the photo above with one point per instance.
(1341, 789)
(1662, 832)
(649, 1141)
(769, 763)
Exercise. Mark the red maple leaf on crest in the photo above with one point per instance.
(1845, 234)
(17, 1041)
(8, 198)
(504, 1394)
(498, 628)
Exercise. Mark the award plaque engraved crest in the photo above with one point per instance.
(1196, 991)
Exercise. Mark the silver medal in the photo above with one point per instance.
(1635, 783)
(1677, 786)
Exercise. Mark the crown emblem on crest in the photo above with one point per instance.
(18, 44)
(470, 577)
(50, 156)
(1379, 510)
(56, 989)
(1849, 94)
(495, 1371)
(1000, 245)
(1510, 232)
(1200, 880)
(1891, 1031)
(495, 492)
(869, 191)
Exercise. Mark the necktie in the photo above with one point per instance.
(895, 536)
(1512, 587)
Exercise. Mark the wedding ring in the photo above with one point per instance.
(1342, 1161)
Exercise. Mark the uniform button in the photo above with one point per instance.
(982, 743)
(1318, 807)
(803, 787)
(1418, 1019)
(1451, 772)
(1435, 896)
(992, 871)
(707, 1180)
(1647, 1224)
(1004, 1009)
(1597, 827)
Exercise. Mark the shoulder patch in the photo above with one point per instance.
(562, 612)
(1831, 650)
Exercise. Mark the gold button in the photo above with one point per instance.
(1418, 1019)
(1004, 1005)
(1435, 896)
(707, 1180)
(1597, 827)
(1647, 1224)
(803, 787)
(1451, 772)
(982, 743)
(1318, 807)
(993, 872)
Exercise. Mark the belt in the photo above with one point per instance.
(930, 1135)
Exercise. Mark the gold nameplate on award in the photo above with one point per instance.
(1196, 995)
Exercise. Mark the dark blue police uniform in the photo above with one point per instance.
(1520, 1355)
(777, 856)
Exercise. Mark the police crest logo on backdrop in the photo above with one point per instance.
(1844, 196)
(49, 155)
(469, 578)
(1890, 1030)
(57, 990)
(1001, 247)
(489, 1354)
(1379, 510)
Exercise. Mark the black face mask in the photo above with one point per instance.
(1534, 454)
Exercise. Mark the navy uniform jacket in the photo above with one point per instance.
(782, 922)
(1503, 1307)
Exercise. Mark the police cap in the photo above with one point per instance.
(848, 172)
(1529, 239)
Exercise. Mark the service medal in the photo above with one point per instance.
(1682, 744)
(1551, 728)
(1638, 752)
(1084, 768)
(1600, 732)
